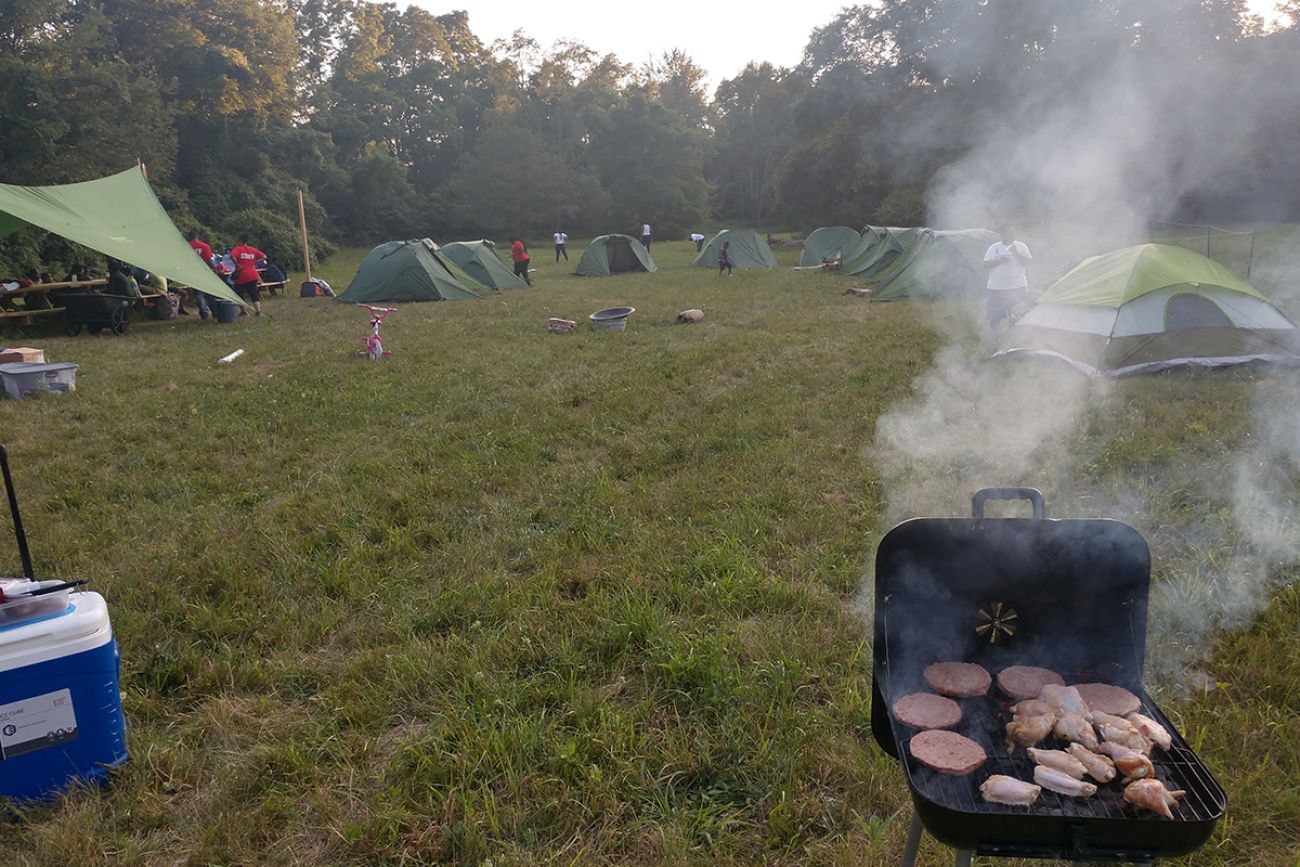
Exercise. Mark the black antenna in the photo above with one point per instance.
(13, 510)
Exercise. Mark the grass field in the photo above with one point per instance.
(511, 597)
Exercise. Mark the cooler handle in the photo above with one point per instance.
(1033, 495)
(13, 510)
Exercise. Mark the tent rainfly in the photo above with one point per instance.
(938, 264)
(118, 216)
(878, 248)
(479, 260)
(608, 255)
(747, 250)
(824, 244)
(414, 270)
(1151, 307)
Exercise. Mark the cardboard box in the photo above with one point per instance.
(15, 354)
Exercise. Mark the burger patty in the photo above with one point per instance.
(961, 679)
(923, 710)
(947, 752)
(1025, 681)
(1114, 700)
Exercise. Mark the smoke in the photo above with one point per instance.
(1081, 155)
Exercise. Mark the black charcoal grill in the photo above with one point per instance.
(1068, 595)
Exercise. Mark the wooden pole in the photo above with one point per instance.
(302, 224)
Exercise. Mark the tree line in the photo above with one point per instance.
(397, 122)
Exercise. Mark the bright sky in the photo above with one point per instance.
(720, 41)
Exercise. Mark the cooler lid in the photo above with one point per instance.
(85, 615)
(19, 367)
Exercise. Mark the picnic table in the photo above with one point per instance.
(29, 311)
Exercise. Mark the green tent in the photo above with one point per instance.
(608, 255)
(747, 250)
(414, 270)
(878, 249)
(1151, 307)
(479, 260)
(824, 244)
(118, 216)
(938, 264)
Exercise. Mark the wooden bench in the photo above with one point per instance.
(271, 287)
(24, 317)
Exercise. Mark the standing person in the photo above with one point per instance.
(1008, 283)
(246, 258)
(724, 258)
(699, 241)
(560, 239)
(519, 253)
(204, 252)
(645, 235)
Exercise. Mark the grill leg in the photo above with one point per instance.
(962, 858)
(913, 841)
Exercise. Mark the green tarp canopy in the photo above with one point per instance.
(608, 255)
(825, 243)
(118, 216)
(414, 270)
(1151, 307)
(747, 250)
(479, 260)
(938, 264)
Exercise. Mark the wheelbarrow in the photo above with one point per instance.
(96, 312)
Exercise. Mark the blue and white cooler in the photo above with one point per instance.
(61, 717)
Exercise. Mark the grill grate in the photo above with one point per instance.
(984, 722)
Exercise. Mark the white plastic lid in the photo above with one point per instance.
(84, 628)
(17, 367)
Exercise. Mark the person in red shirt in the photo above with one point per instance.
(246, 276)
(519, 253)
(204, 251)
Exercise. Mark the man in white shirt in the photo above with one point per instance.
(560, 239)
(645, 235)
(1008, 284)
(699, 241)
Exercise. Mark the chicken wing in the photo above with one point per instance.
(1100, 768)
(1120, 731)
(1063, 784)
(1151, 730)
(1152, 795)
(1033, 707)
(1000, 789)
(1059, 760)
(1063, 700)
(1132, 764)
(1075, 729)
(1026, 731)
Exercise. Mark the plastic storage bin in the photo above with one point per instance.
(60, 706)
(22, 378)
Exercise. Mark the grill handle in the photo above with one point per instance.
(1033, 495)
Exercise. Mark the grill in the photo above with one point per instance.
(1068, 595)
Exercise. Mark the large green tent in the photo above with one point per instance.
(938, 264)
(1150, 307)
(479, 260)
(747, 250)
(412, 270)
(828, 242)
(118, 216)
(608, 255)
(879, 248)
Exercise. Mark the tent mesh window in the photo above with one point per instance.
(1186, 312)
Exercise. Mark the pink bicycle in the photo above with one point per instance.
(374, 344)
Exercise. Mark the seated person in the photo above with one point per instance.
(79, 274)
(120, 281)
(833, 263)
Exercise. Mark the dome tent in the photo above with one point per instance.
(479, 260)
(608, 255)
(414, 270)
(1151, 307)
(747, 250)
(937, 264)
(822, 244)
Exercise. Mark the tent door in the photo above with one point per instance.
(620, 255)
(1186, 312)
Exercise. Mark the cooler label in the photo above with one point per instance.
(36, 723)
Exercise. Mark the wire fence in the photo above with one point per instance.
(1232, 248)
